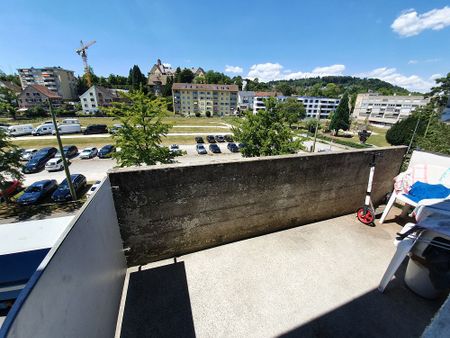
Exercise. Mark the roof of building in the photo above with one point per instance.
(44, 91)
(10, 85)
(266, 94)
(193, 86)
(114, 93)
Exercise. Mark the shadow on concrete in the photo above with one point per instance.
(158, 304)
(396, 313)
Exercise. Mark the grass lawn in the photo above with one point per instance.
(378, 140)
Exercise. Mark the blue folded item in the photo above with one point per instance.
(420, 191)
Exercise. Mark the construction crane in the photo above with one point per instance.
(82, 51)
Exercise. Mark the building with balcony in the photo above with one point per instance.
(245, 100)
(386, 110)
(316, 107)
(260, 247)
(192, 99)
(37, 95)
(56, 79)
(98, 96)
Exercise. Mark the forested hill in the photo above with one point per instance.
(333, 86)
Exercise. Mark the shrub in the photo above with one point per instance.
(401, 132)
(208, 113)
(197, 114)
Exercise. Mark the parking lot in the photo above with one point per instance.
(96, 168)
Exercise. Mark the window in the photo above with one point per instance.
(91, 94)
(84, 99)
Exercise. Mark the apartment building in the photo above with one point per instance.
(98, 96)
(316, 107)
(38, 95)
(245, 100)
(56, 79)
(191, 99)
(386, 110)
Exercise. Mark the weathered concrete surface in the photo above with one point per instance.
(171, 210)
(317, 280)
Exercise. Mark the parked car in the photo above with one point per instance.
(229, 138)
(175, 148)
(37, 163)
(12, 187)
(199, 139)
(219, 138)
(210, 139)
(54, 164)
(93, 188)
(19, 130)
(62, 194)
(106, 151)
(214, 148)
(69, 151)
(71, 121)
(37, 192)
(28, 154)
(43, 129)
(201, 150)
(115, 128)
(88, 153)
(233, 147)
(96, 129)
(69, 128)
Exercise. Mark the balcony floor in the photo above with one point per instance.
(317, 280)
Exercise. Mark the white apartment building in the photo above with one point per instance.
(98, 96)
(385, 110)
(245, 100)
(316, 107)
(56, 79)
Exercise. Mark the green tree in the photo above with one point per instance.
(140, 137)
(341, 117)
(8, 102)
(177, 75)
(186, 76)
(82, 85)
(37, 111)
(200, 79)
(331, 90)
(266, 133)
(284, 88)
(166, 90)
(440, 93)
(437, 138)
(136, 79)
(292, 109)
(402, 131)
(9, 163)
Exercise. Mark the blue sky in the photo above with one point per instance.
(403, 42)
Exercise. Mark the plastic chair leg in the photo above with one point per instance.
(403, 248)
(388, 207)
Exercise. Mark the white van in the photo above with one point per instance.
(20, 129)
(43, 129)
(71, 121)
(68, 129)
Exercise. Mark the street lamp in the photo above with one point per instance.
(61, 150)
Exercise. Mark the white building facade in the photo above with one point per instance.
(245, 100)
(316, 107)
(97, 96)
(56, 79)
(385, 110)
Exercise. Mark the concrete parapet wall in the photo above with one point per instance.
(171, 210)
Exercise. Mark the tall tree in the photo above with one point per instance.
(141, 135)
(292, 110)
(9, 163)
(284, 88)
(186, 76)
(341, 117)
(136, 79)
(266, 133)
(8, 102)
(177, 75)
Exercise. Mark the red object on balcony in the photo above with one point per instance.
(12, 188)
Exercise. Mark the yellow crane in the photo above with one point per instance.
(82, 51)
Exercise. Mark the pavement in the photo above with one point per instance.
(316, 280)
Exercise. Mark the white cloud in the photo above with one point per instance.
(233, 69)
(413, 62)
(410, 23)
(274, 71)
(435, 76)
(412, 82)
